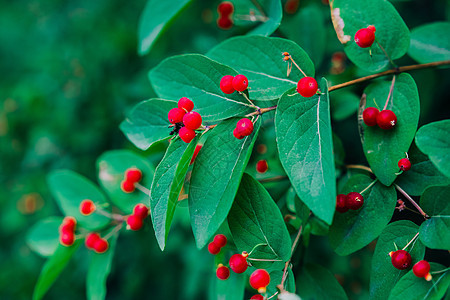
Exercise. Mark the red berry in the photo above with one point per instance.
(133, 175)
(140, 210)
(341, 203)
(186, 134)
(134, 222)
(87, 207)
(196, 151)
(354, 200)
(101, 245)
(401, 259)
(225, 8)
(291, 6)
(237, 134)
(240, 83)
(222, 272)
(226, 84)
(365, 37)
(386, 119)
(421, 268)
(192, 120)
(176, 115)
(259, 280)
(370, 116)
(185, 104)
(220, 240)
(238, 263)
(244, 127)
(91, 239)
(307, 87)
(225, 22)
(213, 248)
(67, 238)
(262, 166)
(257, 297)
(68, 224)
(127, 186)
(404, 164)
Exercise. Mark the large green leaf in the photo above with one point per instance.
(43, 237)
(435, 232)
(52, 268)
(432, 139)
(255, 219)
(384, 276)
(148, 122)
(412, 287)
(260, 59)
(155, 17)
(384, 148)
(167, 184)
(230, 289)
(430, 42)
(353, 230)
(273, 12)
(391, 32)
(111, 170)
(343, 104)
(305, 147)
(197, 77)
(215, 178)
(69, 189)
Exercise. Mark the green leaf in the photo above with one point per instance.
(430, 42)
(353, 230)
(52, 268)
(432, 139)
(435, 232)
(412, 287)
(384, 276)
(43, 237)
(343, 104)
(260, 59)
(305, 147)
(273, 11)
(255, 219)
(215, 178)
(155, 17)
(230, 289)
(167, 184)
(316, 282)
(422, 174)
(275, 279)
(384, 148)
(69, 189)
(197, 77)
(148, 122)
(99, 269)
(111, 167)
(349, 16)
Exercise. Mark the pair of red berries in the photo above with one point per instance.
(218, 243)
(229, 84)
(191, 120)
(132, 176)
(262, 166)
(404, 164)
(385, 119)
(87, 207)
(136, 220)
(225, 10)
(244, 127)
(67, 231)
(401, 259)
(94, 242)
(307, 87)
(259, 280)
(238, 263)
(352, 201)
(365, 37)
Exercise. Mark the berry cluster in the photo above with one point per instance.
(218, 243)
(262, 166)
(365, 37)
(94, 242)
(185, 120)
(225, 10)
(229, 84)
(87, 207)
(67, 231)
(385, 119)
(352, 201)
(307, 87)
(135, 221)
(244, 127)
(132, 176)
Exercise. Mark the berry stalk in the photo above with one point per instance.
(412, 201)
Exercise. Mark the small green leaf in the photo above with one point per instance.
(43, 237)
(52, 268)
(167, 184)
(384, 276)
(412, 287)
(435, 232)
(148, 122)
(215, 178)
(111, 167)
(230, 289)
(430, 42)
(273, 11)
(255, 219)
(353, 230)
(197, 77)
(384, 148)
(155, 17)
(260, 59)
(432, 139)
(69, 189)
(305, 147)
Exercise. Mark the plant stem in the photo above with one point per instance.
(417, 234)
(262, 259)
(441, 271)
(369, 186)
(385, 53)
(391, 90)
(294, 245)
(112, 232)
(290, 57)
(142, 188)
(411, 200)
(361, 167)
(271, 179)
(250, 253)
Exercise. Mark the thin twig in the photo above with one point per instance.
(290, 57)
(271, 179)
(361, 167)
(417, 234)
(142, 188)
(411, 200)
(391, 90)
(294, 245)
(112, 232)
(369, 186)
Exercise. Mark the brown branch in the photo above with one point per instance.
(294, 245)
(412, 201)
